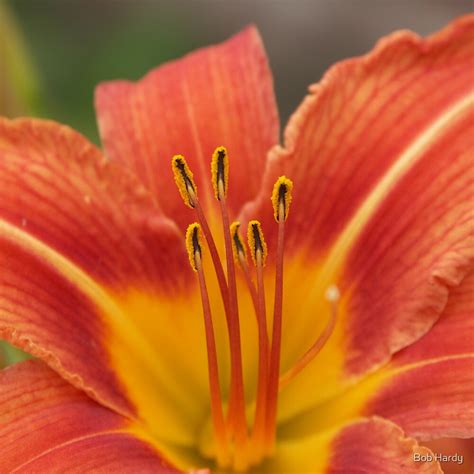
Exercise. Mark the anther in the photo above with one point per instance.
(184, 179)
(220, 172)
(238, 248)
(193, 244)
(258, 247)
(281, 196)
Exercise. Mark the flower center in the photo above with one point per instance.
(238, 445)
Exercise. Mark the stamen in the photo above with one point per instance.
(193, 244)
(259, 253)
(332, 296)
(194, 247)
(236, 415)
(281, 199)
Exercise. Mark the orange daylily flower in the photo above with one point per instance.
(339, 340)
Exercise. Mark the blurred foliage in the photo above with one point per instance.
(11, 355)
(76, 45)
(19, 88)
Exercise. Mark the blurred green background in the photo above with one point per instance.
(74, 44)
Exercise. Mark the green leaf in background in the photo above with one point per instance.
(77, 44)
(10, 355)
(19, 87)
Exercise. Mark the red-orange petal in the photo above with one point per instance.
(381, 159)
(432, 400)
(46, 425)
(358, 121)
(452, 334)
(220, 95)
(90, 272)
(431, 394)
(427, 388)
(367, 445)
(376, 445)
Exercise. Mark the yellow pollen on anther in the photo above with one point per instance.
(193, 243)
(238, 247)
(184, 179)
(220, 171)
(281, 195)
(256, 242)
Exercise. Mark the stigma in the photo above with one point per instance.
(238, 442)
